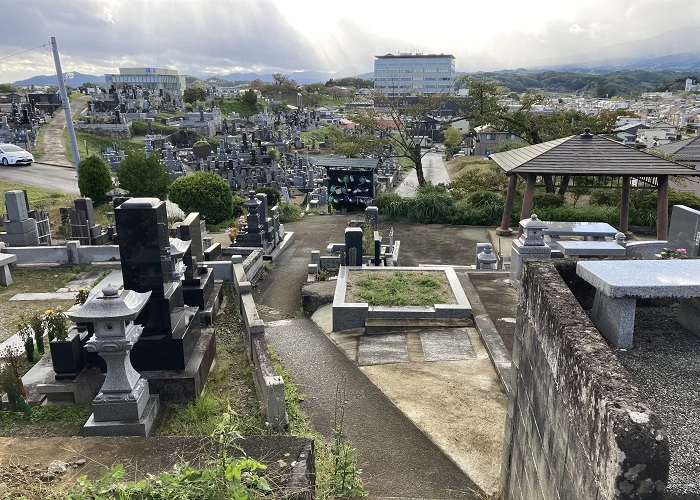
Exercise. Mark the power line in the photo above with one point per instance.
(23, 51)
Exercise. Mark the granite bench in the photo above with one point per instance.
(585, 230)
(5, 260)
(619, 283)
(575, 248)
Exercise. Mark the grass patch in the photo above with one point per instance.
(51, 414)
(399, 288)
(31, 280)
(230, 384)
(96, 144)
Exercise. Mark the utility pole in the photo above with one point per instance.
(66, 105)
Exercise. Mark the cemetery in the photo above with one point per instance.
(525, 377)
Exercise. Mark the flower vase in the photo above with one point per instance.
(29, 350)
(67, 356)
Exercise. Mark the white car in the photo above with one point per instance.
(14, 155)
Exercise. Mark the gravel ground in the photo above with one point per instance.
(665, 364)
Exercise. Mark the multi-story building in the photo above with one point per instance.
(161, 81)
(414, 74)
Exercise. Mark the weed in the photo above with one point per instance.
(299, 313)
(345, 478)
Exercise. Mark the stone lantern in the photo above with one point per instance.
(487, 260)
(124, 405)
(529, 246)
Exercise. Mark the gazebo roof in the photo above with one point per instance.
(587, 154)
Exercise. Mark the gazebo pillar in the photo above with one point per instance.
(625, 205)
(528, 197)
(662, 208)
(505, 230)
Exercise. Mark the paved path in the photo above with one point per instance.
(434, 171)
(397, 459)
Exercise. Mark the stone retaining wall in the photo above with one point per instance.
(576, 426)
(269, 385)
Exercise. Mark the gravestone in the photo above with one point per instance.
(685, 230)
(171, 330)
(353, 246)
(252, 234)
(198, 281)
(21, 229)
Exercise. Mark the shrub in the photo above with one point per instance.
(610, 197)
(273, 196)
(238, 207)
(482, 179)
(384, 201)
(144, 177)
(94, 179)
(203, 192)
(289, 212)
(548, 200)
(466, 213)
(431, 207)
(582, 213)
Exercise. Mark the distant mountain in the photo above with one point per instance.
(77, 80)
(686, 61)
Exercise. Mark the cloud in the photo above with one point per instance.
(223, 36)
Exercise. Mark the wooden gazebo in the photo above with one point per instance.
(589, 155)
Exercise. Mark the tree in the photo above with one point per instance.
(94, 179)
(203, 192)
(453, 138)
(193, 94)
(144, 177)
(250, 98)
(395, 132)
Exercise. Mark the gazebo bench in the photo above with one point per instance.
(619, 283)
(5, 260)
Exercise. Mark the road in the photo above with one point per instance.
(41, 175)
(434, 171)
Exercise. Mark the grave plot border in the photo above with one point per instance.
(350, 315)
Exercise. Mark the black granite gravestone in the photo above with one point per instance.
(171, 330)
(353, 240)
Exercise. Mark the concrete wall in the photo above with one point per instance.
(72, 253)
(269, 385)
(576, 426)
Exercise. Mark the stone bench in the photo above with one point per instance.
(619, 283)
(571, 248)
(5, 260)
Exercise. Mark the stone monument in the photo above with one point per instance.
(21, 229)
(124, 406)
(530, 245)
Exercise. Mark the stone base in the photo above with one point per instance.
(178, 386)
(142, 427)
(169, 351)
(504, 232)
(28, 239)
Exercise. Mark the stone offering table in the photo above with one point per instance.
(5, 260)
(575, 248)
(585, 230)
(619, 283)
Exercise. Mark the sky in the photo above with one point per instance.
(217, 37)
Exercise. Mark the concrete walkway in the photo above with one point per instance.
(397, 459)
(434, 171)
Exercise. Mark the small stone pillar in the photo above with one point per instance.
(487, 260)
(621, 239)
(372, 217)
(124, 405)
(529, 246)
(353, 241)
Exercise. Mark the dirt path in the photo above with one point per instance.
(54, 147)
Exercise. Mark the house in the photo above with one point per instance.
(657, 134)
(487, 138)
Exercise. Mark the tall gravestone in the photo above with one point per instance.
(171, 330)
(21, 229)
(198, 280)
(685, 230)
(353, 246)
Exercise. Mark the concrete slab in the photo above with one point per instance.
(450, 344)
(45, 296)
(382, 350)
(82, 280)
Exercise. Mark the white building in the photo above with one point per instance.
(166, 83)
(414, 74)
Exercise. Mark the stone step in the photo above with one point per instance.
(375, 326)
